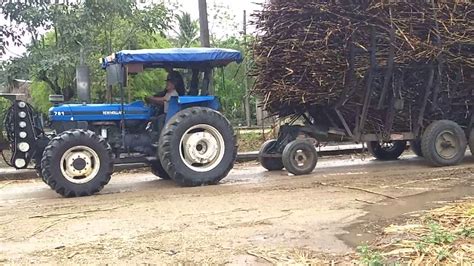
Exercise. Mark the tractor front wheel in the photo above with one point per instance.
(197, 147)
(77, 163)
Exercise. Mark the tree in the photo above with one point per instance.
(97, 27)
(188, 33)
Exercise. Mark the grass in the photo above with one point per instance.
(369, 256)
(251, 140)
(445, 235)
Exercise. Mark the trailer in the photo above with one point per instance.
(439, 126)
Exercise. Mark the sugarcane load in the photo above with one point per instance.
(381, 72)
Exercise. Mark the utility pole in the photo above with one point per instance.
(205, 42)
(204, 24)
(246, 81)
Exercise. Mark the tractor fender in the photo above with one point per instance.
(176, 104)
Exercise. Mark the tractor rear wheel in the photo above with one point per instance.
(77, 163)
(269, 163)
(387, 151)
(197, 147)
(158, 170)
(444, 143)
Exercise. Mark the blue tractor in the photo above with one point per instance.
(76, 156)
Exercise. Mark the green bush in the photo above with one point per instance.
(40, 92)
(4, 105)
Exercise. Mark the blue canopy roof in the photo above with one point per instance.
(176, 57)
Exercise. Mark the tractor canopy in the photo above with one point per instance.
(191, 58)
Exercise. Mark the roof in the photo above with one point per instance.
(176, 57)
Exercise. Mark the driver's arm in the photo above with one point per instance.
(156, 100)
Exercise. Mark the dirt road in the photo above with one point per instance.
(252, 217)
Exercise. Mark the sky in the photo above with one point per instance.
(235, 8)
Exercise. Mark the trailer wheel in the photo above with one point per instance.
(415, 146)
(387, 151)
(269, 163)
(158, 170)
(197, 147)
(77, 163)
(444, 143)
(300, 157)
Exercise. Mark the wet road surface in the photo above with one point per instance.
(140, 218)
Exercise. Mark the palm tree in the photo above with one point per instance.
(188, 30)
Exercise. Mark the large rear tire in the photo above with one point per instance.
(444, 143)
(300, 157)
(77, 163)
(158, 170)
(269, 163)
(387, 151)
(197, 147)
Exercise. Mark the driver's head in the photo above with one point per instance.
(170, 84)
(174, 81)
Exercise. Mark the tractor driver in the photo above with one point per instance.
(174, 87)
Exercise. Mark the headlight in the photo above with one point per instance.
(21, 104)
(20, 163)
(23, 146)
(22, 134)
(22, 114)
(22, 124)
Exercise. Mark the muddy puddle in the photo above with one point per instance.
(389, 212)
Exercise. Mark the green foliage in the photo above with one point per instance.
(443, 254)
(97, 28)
(188, 34)
(368, 256)
(147, 83)
(438, 235)
(4, 105)
(229, 84)
(250, 141)
(467, 232)
(40, 96)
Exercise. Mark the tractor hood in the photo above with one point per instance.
(99, 112)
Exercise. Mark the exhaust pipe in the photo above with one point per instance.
(83, 84)
(83, 80)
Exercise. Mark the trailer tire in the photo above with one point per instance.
(387, 153)
(158, 170)
(269, 163)
(444, 143)
(66, 174)
(415, 146)
(210, 145)
(300, 157)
